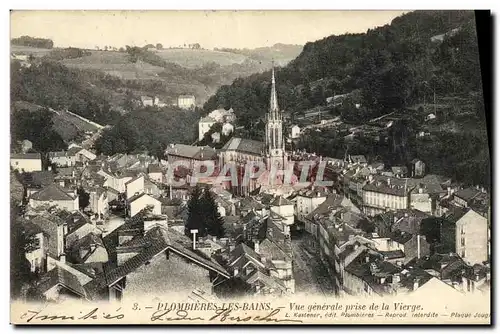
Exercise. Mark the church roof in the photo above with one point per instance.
(244, 145)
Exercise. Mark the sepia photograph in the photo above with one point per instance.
(246, 167)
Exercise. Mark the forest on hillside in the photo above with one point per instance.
(419, 55)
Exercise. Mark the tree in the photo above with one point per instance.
(195, 215)
(83, 198)
(159, 46)
(21, 275)
(213, 221)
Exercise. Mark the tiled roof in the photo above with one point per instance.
(244, 146)
(25, 156)
(62, 277)
(154, 168)
(401, 237)
(332, 202)
(455, 214)
(280, 200)
(52, 193)
(157, 239)
(49, 227)
(192, 152)
(467, 194)
(270, 250)
(394, 254)
(38, 178)
(136, 197)
(84, 244)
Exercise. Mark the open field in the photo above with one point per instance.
(114, 63)
(36, 52)
(195, 58)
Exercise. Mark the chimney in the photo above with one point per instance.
(388, 181)
(93, 246)
(367, 258)
(395, 219)
(65, 229)
(396, 278)
(415, 284)
(62, 258)
(418, 246)
(256, 247)
(235, 272)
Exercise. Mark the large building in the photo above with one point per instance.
(186, 101)
(275, 145)
(272, 152)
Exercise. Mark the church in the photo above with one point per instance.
(271, 152)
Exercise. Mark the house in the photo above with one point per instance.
(61, 159)
(54, 229)
(26, 162)
(413, 245)
(134, 186)
(155, 173)
(186, 101)
(189, 155)
(399, 171)
(417, 168)
(53, 195)
(470, 235)
(79, 154)
(139, 202)
(204, 126)
(227, 129)
(34, 181)
(284, 208)
(357, 159)
(89, 249)
(370, 275)
(430, 117)
(223, 115)
(77, 225)
(37, 254)
(149, 101)
(295, 131)
(66, 176)
(249, 269)
(61, 284)
(98, 201)
(384, 193)
(158, 255)
(151, 188)
(307, 200)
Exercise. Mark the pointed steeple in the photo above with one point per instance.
(273, 106)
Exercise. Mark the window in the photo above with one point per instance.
(463, 253)
(462, 242)
(462, 231)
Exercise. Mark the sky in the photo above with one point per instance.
(235, 29)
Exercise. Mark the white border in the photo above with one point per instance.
(191, 4)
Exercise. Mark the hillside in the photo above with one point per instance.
(394, 68)
(68, 126)
(164, 127)
(194, 58)
(281, 54)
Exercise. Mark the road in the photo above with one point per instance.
(311, 276)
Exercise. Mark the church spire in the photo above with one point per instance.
(273, 107)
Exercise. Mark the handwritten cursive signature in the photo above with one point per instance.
(94, 314)
(221, 315)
